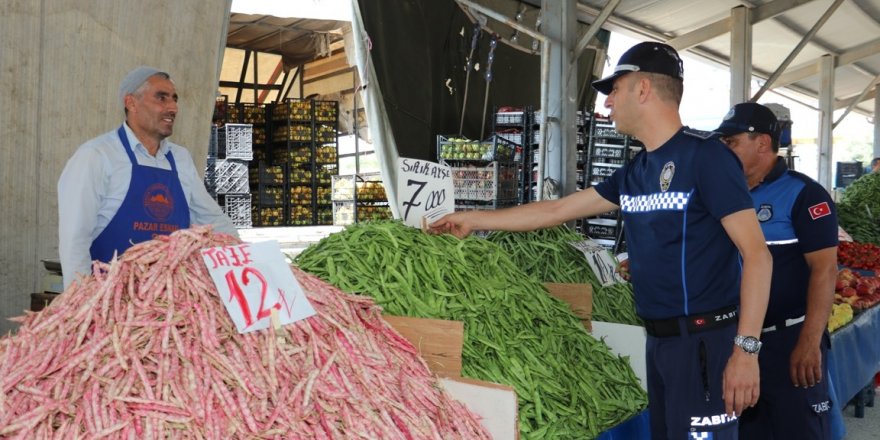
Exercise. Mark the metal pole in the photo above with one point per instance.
(545, 102)
(856, 101)
(794, 53)
(467, 76)
(492, 44)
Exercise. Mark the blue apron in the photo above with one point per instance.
(154, 205)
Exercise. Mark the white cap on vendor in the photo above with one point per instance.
(649, 57)
(135, 79)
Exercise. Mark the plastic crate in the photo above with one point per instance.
(373, 212)
(300, 195)
(326, 154)
(292, 133)
(238, 141)
(295, 156)
(601, 228)
(608, 151)
(457, 149)
(490, 183)
(238, 208)
(847, 173)
(300, 215)
(324, 216)
(371, 191)
(232, 141)
(326, 111)
(271, 197)
(343, 213)
(510, 118)
(273, 175)
(512, 137)
(221, 113)
(342, 188)
(251, 113)
(292, 110)
(603, 169)
(271, 216)
(231, 177)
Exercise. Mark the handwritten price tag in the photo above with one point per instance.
(600, 261)
(254, 282)
(424, 190)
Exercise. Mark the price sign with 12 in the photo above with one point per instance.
(253, 280)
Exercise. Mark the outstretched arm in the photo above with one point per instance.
(528, 217)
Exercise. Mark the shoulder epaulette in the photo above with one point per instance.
(700, 133)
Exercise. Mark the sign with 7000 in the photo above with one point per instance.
(424, 191)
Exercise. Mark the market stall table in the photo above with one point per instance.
(853, 361)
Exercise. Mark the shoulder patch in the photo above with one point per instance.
(699, 133)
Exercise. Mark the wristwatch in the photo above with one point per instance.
(749, 344)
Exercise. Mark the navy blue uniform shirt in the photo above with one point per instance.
(797, 216)
(673, 199)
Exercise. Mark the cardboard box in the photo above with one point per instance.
(495, 404)
(622, 339)
(625, 340)
(439, 341)
(577, 295)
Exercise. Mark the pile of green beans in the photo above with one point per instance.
(547, 255)
(569, 385)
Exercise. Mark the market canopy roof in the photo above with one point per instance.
(850, 33)
(297, 40)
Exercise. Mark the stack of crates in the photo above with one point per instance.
(226, 175)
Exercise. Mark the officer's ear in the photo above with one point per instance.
(765, 143)
(644, 87)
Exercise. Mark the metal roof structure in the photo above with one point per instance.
(789, 40)
(297, 40)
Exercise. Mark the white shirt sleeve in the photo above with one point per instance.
(79, 199)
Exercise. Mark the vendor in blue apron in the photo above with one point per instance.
(131, 184)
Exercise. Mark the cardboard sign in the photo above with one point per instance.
(424, 191)
(496, 404)
(255, 283)
(600, 261)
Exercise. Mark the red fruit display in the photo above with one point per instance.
(859, 255)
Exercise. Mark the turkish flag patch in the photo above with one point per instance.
(820, 210)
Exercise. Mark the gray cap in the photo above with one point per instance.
(134, 80)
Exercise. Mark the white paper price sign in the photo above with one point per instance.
(600, 261)
(424, 191)
(254, 282)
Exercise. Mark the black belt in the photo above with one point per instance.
(663, 328)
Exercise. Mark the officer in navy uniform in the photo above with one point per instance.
(799, 222)
(687, 217)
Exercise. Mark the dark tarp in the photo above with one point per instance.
(417, 45)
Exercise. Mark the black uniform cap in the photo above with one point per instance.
(649, 57)
(749, 117)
